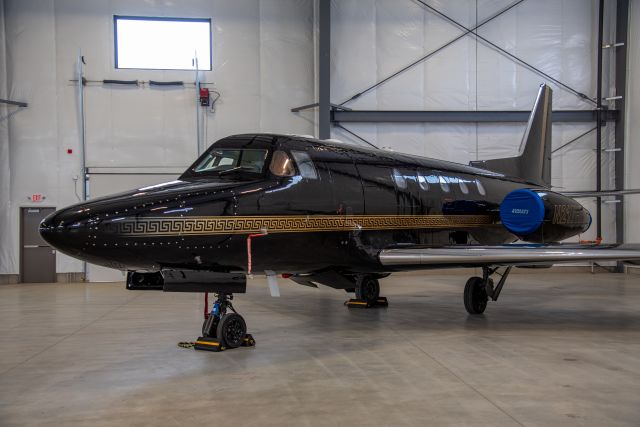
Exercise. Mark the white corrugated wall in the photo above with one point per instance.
(632, 134)
(262, 65)
(372, 39)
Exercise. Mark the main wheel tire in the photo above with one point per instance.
(475, 297)
(368, 290)
(231, 330)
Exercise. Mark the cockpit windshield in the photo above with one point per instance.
(223, 161)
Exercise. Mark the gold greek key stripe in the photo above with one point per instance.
(205, 225)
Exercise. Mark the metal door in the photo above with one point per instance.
(37, 258)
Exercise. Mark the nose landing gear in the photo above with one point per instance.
(222, 330)
(478, 290)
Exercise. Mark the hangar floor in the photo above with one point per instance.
(557, 349)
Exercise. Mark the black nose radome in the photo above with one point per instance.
(48, 229)
(65, 229)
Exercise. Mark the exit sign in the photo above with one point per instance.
(36, 197)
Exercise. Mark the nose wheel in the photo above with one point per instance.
(232, 330)
(222, 330)
(478, 290)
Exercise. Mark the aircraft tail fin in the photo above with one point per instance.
(533, 162)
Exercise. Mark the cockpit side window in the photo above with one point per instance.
(305, 165)
(224, 160)
(281, 164)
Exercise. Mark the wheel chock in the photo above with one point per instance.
(209, 344)
(212, 344)
(357, 303)
(248, 341)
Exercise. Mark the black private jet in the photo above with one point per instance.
(322, 212)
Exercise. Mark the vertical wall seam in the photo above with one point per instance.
(260, 119)
(476, 75)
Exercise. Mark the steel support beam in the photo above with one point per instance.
(324, 69)
(599, 120)
(315, 105)
(622, 26)
(507, 53)
(370, 116)
(431, 53)
(10, 102)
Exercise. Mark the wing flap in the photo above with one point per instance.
(475, 256)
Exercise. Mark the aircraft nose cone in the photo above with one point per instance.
(65, 229)
(46, 230)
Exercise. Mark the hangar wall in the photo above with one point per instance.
(371, 39)
(262, 65)
(632, 159)
(5, 189)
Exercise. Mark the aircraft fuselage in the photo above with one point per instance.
(337, 211)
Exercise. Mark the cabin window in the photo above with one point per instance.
(227, 159)
(422, 181)
(305, 165)
(444, 183)
(463, 186)
(481, 189)
(281, 164)
(400, 180)
(433, 179)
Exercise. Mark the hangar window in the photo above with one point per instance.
(162, 43)
(305, 165)
(281, 164)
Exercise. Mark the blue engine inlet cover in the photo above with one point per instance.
(522, 212)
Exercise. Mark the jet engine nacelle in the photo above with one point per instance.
(542, 216)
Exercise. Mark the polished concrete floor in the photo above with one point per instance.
(557, 349)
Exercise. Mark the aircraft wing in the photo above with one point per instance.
(604, 193)
(413, 257)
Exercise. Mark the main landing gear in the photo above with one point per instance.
(222, 330)
(478, 290)
(367, 293)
